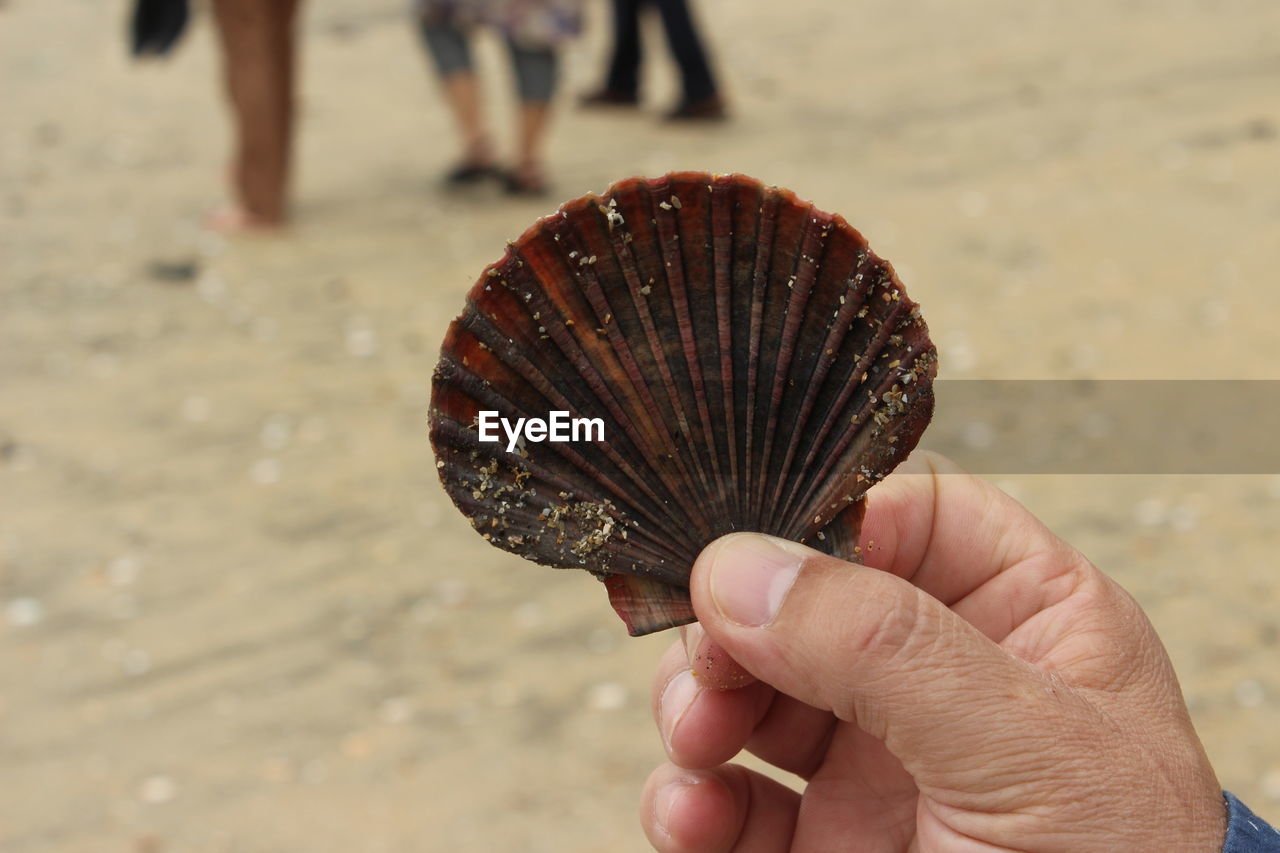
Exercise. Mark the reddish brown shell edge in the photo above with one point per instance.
(756, 366)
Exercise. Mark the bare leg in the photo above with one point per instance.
(462, 90)
(258, 62)
(533, 118)
(535, 74)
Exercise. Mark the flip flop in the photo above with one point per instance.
(465, 174)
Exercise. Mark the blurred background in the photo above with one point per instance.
(237, 612)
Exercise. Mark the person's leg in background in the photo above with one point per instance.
(702, 98)
(448, 48)
(622, 85)
(259, 61)
(535, 71)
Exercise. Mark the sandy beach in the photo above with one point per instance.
(237, 611)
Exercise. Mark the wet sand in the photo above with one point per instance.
(238, 612)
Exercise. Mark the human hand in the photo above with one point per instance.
(979, 686)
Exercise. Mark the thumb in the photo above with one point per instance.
(869, 647)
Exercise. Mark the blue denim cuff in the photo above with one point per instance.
(1246, 832)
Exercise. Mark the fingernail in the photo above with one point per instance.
(751, 577)
(668, 795)
(677, 697)
(692, 636)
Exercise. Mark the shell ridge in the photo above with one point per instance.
(839, 537)
(692, 215)
(791, 319)
(906, 350)
(621, 248)
(536, 377)
(456, 376)
(643, 221)
(852, 414)
(809, 439)
(647, 411)
(873, 469)
(768, 224)
(742, 202)
(847, 412)
(806, 360)
(876, 465)
(671, 310)
(669, 237)
(646, 605)
(585, 366)
(722, 260)
(559, 494)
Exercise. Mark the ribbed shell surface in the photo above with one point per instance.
(754, 365)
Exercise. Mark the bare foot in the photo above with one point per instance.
(233, 219)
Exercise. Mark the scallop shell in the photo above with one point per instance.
(754, 365)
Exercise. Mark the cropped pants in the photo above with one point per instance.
(534, 67)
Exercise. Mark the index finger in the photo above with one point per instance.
(949, 532)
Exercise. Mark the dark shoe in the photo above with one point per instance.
(609, 98)
(466, 174)
(524, 182)
(710, 108)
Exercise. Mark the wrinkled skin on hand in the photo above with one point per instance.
(977, 686)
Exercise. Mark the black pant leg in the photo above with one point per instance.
(686, 47)
(624, 68)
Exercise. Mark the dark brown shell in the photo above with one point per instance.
(755, 365)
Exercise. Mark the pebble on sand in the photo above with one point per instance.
(157, 789)
(361, 339)
(607, 696)
(396, 710)
(196, 409)
(978, 435)
(1155, 512)
(1184, 519)
(136, 662)
(265, 472)
(24, 612)
(1151, 512)
(450, 592)
(958, 353)
(275, 433)
(211, 287)
(1271, 784)
(602, 641)
(124, 570)
(529, 615)
(1250, 693)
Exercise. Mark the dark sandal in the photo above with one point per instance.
(465, 174)
(524, 183)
